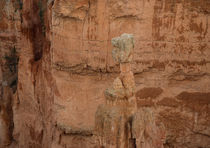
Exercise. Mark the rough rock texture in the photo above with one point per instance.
(146, 131)
(112, 119)
(65, 64)
(9, 27)
(118, 122)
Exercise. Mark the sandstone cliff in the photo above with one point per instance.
(56, 62)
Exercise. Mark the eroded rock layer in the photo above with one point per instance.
(56, 61)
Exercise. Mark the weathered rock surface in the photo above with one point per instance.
(112, 119)
(9, 27)
(65, 64)
(146, 131)
(118, 123)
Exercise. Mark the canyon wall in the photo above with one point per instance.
(9, 36)
(56, 63)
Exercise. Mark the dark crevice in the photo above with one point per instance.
(11, 73)
(132, 140)
(33, 26)
(132, 143)
(10, 78)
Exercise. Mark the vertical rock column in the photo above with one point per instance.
(9, 37)
(118, 122)
(113, 120)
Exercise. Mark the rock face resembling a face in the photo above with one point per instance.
(123, 48)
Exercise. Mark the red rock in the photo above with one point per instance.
(65, 64)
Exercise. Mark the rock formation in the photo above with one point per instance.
(112, 119)
(118, 123)
(146, 131)
(56, 61)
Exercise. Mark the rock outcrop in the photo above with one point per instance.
(9, 27)
(56, 61)
(118, 123)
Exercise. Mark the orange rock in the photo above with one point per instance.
(65, 64)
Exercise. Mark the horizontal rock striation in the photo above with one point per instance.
(56, 61)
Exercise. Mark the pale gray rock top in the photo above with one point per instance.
(123, 48)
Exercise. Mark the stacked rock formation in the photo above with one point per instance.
(112, 119)
(118, 123)
(123, 88)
